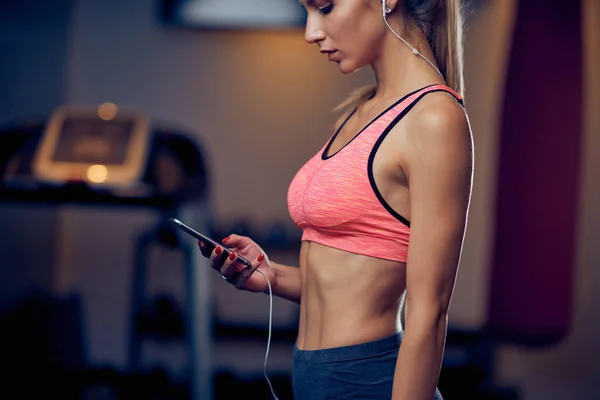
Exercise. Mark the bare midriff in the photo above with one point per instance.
(347, 298)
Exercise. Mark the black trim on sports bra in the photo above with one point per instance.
(380, 140)
(324, 155)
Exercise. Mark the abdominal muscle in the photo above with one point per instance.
(346, 298)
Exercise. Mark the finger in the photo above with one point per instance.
(230, 268)
(204, 249)
(233, 240)
(217, 257)
(248, 271)
(241, 243)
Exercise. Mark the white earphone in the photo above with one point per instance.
(385, 11)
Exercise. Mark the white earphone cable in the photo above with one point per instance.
(270, 329)
(414, 50)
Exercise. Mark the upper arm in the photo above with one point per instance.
(438, 166)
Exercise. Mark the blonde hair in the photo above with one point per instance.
(441, 22)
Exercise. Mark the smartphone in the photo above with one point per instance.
(211, 243)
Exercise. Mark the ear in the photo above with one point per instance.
(391, 4)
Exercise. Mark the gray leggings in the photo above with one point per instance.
(364, 371)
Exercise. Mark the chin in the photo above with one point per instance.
(348, 68)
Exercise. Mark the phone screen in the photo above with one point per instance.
(212, 244)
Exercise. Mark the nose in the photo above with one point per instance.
(314, 31)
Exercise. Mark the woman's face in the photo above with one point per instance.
(350, 32)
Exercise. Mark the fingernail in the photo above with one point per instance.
(200, 243)
(225, 240)
(218, 250)
(260, 258)
(232, 256)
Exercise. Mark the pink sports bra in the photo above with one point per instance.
(335, 201)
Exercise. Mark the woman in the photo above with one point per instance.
(398, 166)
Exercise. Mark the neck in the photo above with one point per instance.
(398, 71)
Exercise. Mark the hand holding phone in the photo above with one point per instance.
(244, 279)
(207, 241)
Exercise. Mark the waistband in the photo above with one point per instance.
(361, 350)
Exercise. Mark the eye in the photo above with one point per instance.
(326, 9)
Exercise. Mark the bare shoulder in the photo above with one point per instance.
(438, 125)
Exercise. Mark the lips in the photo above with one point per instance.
(331, 54)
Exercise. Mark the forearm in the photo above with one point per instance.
(419, 360)
(287, 283)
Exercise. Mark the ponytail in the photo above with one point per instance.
(442, 24)
(446, 40)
